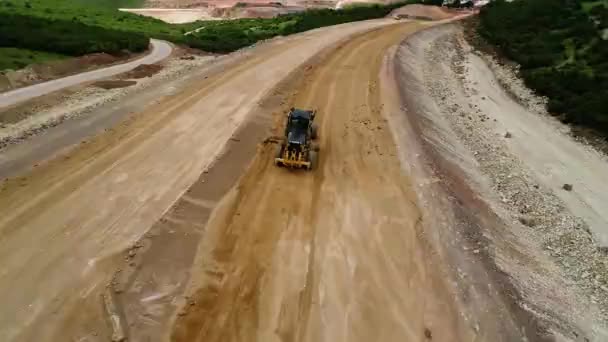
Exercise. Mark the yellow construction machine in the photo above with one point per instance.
(297, 149)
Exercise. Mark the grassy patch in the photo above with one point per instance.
(588, 5)
(111, 4)
(108, 18)
(15, 58)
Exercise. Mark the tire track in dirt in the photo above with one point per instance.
(331, 255)
(66, 223)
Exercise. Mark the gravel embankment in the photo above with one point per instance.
(524, 156)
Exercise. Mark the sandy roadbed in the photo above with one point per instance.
(64, 226)
(342, 253)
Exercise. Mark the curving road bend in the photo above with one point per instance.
(160, 51)
(65, 225)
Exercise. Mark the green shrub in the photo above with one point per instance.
(65, 37)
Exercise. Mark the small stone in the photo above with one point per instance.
(476, 251)
(567, 187)
(527, 221)
(428, 334)
(132, 253)
(508, 135)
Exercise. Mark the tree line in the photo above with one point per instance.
(67, 37)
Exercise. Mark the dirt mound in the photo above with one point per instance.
(144, 70)
(422, 12)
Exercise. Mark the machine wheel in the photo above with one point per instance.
(314, 131)
(313, 160)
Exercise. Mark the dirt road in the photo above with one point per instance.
(65, 226)
(160, 50)
(190, 235)
(338, 254)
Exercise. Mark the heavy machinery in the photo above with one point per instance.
(297, 149)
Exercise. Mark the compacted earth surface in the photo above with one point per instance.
(437, 210)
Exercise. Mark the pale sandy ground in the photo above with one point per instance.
(173, 15)
(416, 10)
(544, 146)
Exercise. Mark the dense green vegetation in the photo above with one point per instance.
(15, 58)
(72, 28)
(588, 5)
(65, 37)
(111, 4)
(562, 55)
(68, 28)
(108, 18)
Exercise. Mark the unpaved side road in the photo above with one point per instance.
(63, 226)
(341, 253)
(160, 51)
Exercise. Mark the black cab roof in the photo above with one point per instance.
(301, 113)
